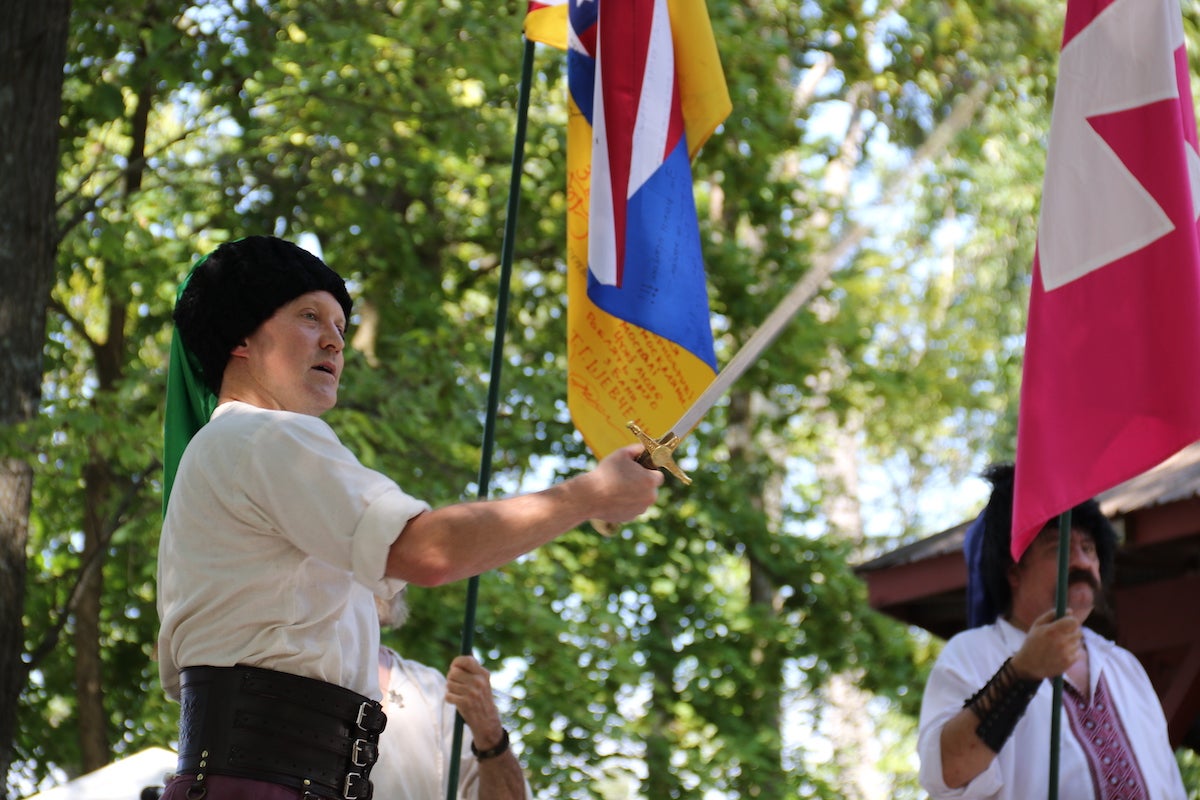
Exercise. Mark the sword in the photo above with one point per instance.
(660, 453)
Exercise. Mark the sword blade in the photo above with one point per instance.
(659, 453)
(770, 329)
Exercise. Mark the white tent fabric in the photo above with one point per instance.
(123, 779)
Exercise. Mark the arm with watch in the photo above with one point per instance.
(469, 689)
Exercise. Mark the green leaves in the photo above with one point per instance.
(688, 654)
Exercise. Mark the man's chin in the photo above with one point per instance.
(1081, 599)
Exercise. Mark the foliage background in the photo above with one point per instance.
(721, 647)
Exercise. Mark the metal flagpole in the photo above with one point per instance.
(1060, 605)
(493, 399)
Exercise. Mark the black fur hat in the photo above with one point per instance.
(996, 555)
(238, 287)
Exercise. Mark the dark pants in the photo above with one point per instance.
(226, 787)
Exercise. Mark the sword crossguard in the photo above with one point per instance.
(660, 453)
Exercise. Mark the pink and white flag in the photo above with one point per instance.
(1111, 383)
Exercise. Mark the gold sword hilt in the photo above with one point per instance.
(658, 454)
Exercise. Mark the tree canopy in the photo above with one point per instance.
(894, 149)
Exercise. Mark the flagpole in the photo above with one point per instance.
(1060, 605)
(493, 398)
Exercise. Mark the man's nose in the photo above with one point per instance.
(1082, 551)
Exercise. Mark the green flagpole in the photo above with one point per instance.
(493, 399)
(1060, 605)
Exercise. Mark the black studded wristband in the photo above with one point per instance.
(1000, 705)
(492, 752)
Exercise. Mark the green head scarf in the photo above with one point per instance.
(189, 401)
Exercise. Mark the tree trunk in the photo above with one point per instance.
(659, 742)
(764, 701)
(32, 50)
(89, 685)
(16, 482)
(847, 718)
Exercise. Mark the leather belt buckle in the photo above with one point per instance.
(356, 787)
(363, 708)
(370, 717)
(363, 753)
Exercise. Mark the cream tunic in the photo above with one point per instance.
(1021, 770)
(273, 546)
(414, 750)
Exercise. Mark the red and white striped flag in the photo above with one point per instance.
(1111, 383)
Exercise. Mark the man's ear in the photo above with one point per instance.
(1013, 573)
(241, 351)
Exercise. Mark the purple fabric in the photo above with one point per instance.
(1097, 725)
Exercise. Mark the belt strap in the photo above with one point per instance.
(257, 723)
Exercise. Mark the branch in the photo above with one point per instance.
(86, 569)
(958, 119)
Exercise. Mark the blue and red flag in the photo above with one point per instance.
(1111, 383)
(646, 91)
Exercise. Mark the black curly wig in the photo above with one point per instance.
(239, 286)
(996, 555)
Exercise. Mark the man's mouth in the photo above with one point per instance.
(325, 368)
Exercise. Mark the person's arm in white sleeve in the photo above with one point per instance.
(467, 539)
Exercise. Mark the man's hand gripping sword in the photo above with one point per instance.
(659, 454)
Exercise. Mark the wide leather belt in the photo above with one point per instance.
(272, 726)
